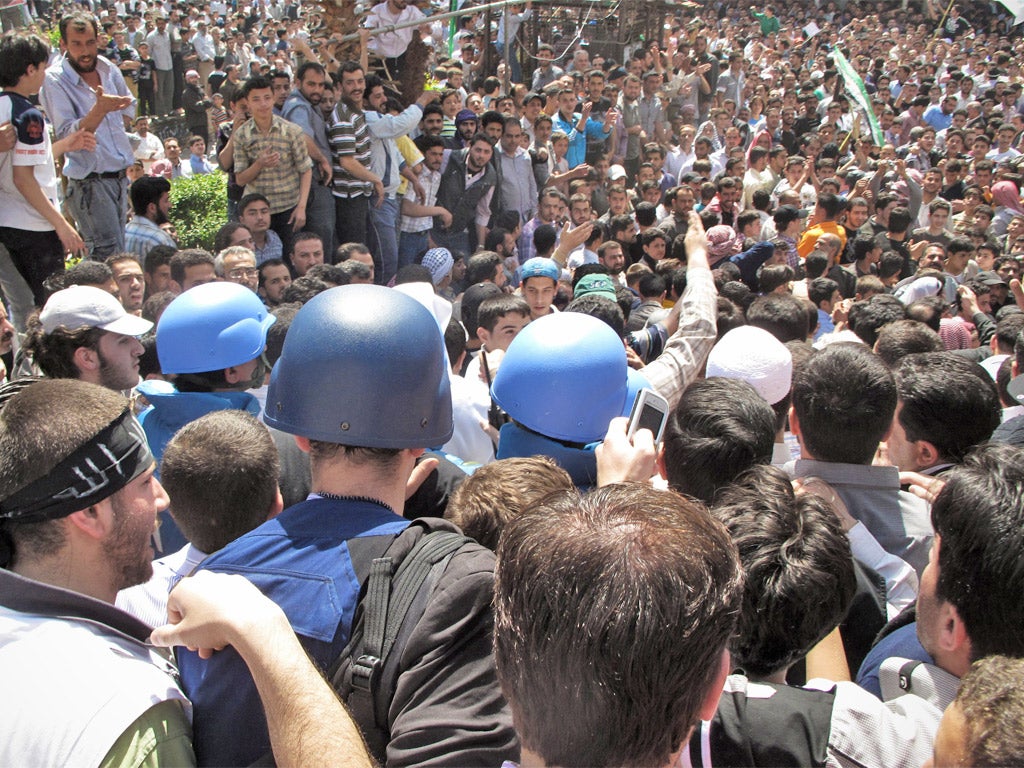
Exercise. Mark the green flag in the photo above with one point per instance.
(855, 87)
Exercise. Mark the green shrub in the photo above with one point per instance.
(199, 207)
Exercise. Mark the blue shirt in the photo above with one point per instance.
(580, 463)
(577, 153)
(297, 109)
(299, 560)
(936, 119)
(825, 324)
(142, 234)
(200, 165)
(273, 248)
(67, 98)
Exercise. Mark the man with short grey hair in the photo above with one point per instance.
(237, 264)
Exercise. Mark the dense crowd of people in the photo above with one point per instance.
(383, 436)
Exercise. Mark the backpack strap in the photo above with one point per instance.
(365, 674)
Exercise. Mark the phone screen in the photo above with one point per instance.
(650, 418)
(649, 412)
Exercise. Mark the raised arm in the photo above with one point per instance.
(687, 349)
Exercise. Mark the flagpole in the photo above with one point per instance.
(938, 31)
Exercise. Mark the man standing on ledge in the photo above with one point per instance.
(390, 47)
(271, 159)
(85, 91)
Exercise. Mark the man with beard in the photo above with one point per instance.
(349, 137)
(85, 91)
(302, 108)
(702, 57)
(466, 124)
(467, 184)
(78, 504)
(84, 332)
(610, 255)
(151, 203)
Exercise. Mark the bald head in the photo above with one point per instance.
(830, 244)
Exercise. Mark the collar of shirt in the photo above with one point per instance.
(145, 223)
(71, 75)
(276, 126)
(346, 113)
(519, 152)
(19, 593)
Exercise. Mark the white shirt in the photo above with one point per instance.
(33, 149)
(149, 150)
(160, 49)
(391, 44)
(148, 602)
(470, 403)
(204, 46)
(678, 162)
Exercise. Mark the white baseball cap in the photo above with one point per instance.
(85, 306)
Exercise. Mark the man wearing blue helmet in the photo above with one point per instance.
(539, 278)
(363, 440)
(211, 338)
(565, 376)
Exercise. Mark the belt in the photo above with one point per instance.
(104, 175)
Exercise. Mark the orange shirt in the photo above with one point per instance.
(809, 238)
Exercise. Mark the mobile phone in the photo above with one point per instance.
(650, 411)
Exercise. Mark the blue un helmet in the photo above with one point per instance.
(211, 327)
(565, 376)
(363, 365)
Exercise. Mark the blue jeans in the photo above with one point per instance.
(410, 245)
(99, 207)
(384, 236)
(320, 218)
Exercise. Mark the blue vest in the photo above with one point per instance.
(300, 560)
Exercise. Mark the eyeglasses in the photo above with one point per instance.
(238, 273)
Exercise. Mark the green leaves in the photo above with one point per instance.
(199, 207)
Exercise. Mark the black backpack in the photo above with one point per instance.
(398, 575)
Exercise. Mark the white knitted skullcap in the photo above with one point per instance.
(755, 356)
